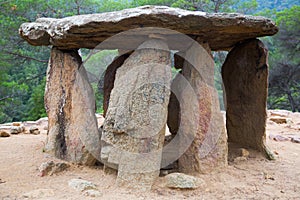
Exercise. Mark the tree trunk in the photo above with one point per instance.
(291, 100)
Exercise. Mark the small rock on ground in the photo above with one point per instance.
(4, 134)
(34, 130)
(295, 139)
(16, 129)
(278, 138)
(281, 120)
(243, 152)
(16, 123)
(183, 181)
(92, 193)
(82, 185)
(50, 168)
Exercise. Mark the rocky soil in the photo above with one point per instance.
(26, 172)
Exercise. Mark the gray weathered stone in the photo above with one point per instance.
(202, 123)
(82, 185)
(93, 193)
(15, 129)
(245, 77)
(278, 138)
(50, 168)
(46, 167)
(134, 127)
(109, 79)
(220, 30)
(295, 139)
(34, 130)
(183, 181)
(70, 105)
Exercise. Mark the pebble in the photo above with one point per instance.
(92, 193)
(295, 139)
(34, 130)
(278, 138)
(183, 181)
(15, 129)
(281, 120)
(244, 152)
(16, 124)
(82, 185)
(50, 168)
(4, 134)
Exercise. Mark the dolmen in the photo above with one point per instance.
(143, 95)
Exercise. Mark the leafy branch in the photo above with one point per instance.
(26, 57)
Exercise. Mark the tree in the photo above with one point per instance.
(247, 7)
(285, 87)
(200, 5)
(284, 79)
(23, 67)
(289, 34)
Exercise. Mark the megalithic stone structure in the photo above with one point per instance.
(137, 89)
(109, 78)
(134, 128)
(245, 77)
(70, 105)
(208, 150)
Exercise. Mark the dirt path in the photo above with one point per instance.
(255, 178)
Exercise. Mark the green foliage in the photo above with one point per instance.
(247, 7)
(289, 35)
(219, 58)
(277, 5)
(96, 63)
(200, 5)
(36, 102)
(136, 3)
(23, 67)
(284, 78)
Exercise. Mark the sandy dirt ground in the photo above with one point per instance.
(252, 178)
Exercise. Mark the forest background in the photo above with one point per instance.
(23, 67)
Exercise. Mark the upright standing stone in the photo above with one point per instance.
(174, 105)
(201, 119)
(134, 127)
(70, 105)
(109, 79)
(245, 77)
(173, 120)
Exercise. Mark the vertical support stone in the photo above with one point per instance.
(134, 127)
(245, 77)
(173, 120)
(201, 119)
(70, 105)
(109, 78)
